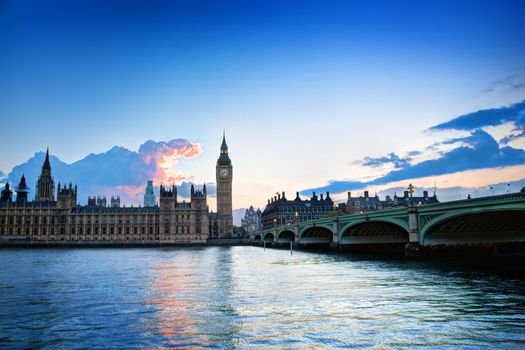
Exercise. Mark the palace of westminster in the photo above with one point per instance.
(60, 218)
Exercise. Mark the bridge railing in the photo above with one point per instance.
(477, 201)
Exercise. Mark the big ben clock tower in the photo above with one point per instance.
(224, 177)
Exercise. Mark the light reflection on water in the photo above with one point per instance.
(245, 297)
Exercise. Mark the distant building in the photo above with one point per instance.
(363, 203)
(7, 194)
(98, 201)
(115, 201)
(102, 201)
(252, 220)
(149, 197)
(366, 203)
(280, 211)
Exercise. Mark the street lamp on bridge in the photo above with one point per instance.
(410, 191)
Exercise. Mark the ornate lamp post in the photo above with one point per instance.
(410, 191)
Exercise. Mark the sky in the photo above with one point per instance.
(314, 95)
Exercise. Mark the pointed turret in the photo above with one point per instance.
(45, 187)
(7, 194)
(22, 191)
(22, 184)
(224, 145)
(224, 158)
(46, 167)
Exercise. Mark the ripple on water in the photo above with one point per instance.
(247, 297)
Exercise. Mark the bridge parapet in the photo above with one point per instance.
(475, 202)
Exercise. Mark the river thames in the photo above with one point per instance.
(247, 297)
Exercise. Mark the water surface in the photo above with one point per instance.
(247, 297)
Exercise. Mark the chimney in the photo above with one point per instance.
(322, 197)
(283, 197)
(349, 195)
(278, 196)
(425, 194)
(366, 194)
(405, 194)
(268, 202)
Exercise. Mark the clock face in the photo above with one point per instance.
(224, 172)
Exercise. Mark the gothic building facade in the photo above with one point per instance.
(53, 220)
(366, 203)
(252, 220)
(281, 211)
(224, 178)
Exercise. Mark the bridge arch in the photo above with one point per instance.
(257, 237)
(269, 236)
(476, 226)
(285, 236)
(316, 235)
(374, 231)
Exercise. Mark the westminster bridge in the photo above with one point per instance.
(493, 220)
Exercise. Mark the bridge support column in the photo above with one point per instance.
(335, 233)
(413, 248)
(296, 235)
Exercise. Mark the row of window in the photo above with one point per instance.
(270, 220)
(105, 238)
(63, 219)
(95, 230)
(61, 230)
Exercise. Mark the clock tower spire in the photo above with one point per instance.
(224, 177)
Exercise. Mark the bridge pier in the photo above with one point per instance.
(335, 235)
(413, 248)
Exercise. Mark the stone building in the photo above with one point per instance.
(280, 211)
(224, 178)
(366, 203)
(252, 220)
(363, 203)
(47, 219)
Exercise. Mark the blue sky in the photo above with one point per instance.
(306, 90)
